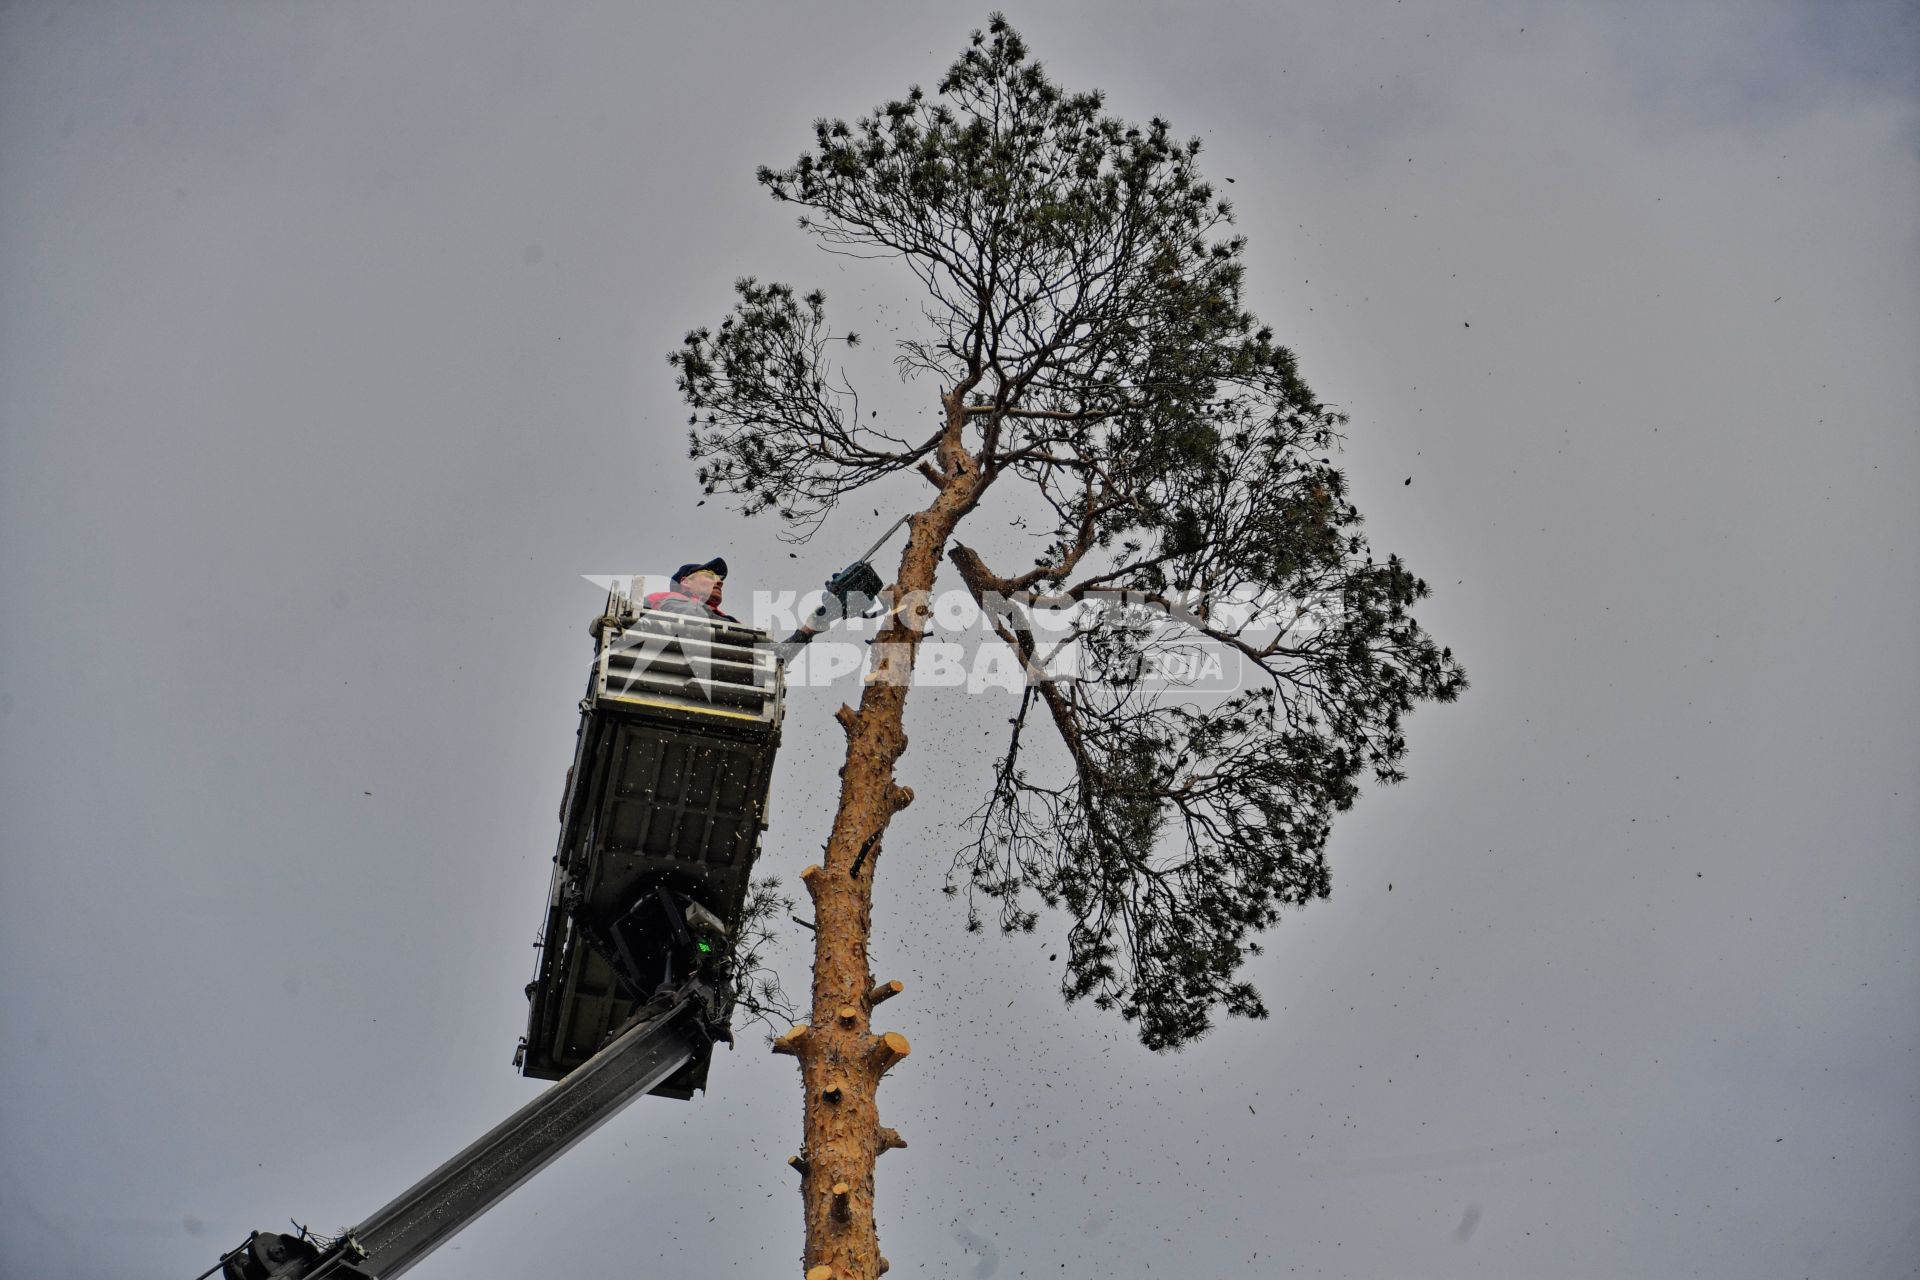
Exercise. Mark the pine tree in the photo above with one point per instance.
(1086, 331)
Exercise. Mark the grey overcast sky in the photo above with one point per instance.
(332, 347)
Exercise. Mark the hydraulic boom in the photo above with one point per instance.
(666, 1034)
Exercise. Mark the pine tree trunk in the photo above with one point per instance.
(841, 1058)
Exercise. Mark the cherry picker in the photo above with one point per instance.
(659, 828)
(660, 825)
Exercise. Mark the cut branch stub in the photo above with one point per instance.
(885, 991)
(799, 1164)
(788, 1042)
(890, 1140)
(840, 1193)
(831, 1094)
(887, 1050)
(847, 717)
(848, 1015)
(821, 1272)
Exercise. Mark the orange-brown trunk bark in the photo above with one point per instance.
(841, 1057)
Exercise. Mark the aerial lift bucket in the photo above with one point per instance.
(662, 817)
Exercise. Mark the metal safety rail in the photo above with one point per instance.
(690, 666)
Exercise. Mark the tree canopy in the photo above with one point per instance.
(1087, 328)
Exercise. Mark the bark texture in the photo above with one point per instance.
(842, 1059)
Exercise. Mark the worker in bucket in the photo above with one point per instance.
(695, 589)
(698, 589)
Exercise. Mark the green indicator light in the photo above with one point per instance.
(706, 948)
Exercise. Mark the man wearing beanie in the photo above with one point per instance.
(697, 589)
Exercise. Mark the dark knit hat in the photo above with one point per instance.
(715, 565)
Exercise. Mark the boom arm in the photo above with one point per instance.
(664, 1037)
